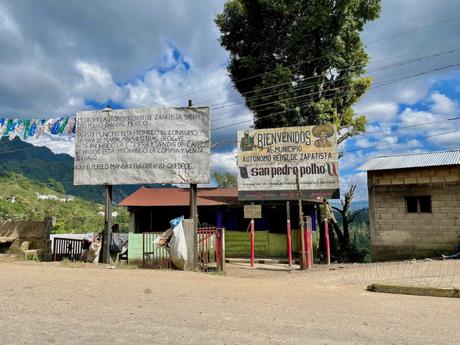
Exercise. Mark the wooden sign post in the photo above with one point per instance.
(253, 212)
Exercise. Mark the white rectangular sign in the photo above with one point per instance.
(137, 146)
(270, 159)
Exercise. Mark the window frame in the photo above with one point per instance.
(418, 201)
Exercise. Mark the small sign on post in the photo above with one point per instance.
(252, 211)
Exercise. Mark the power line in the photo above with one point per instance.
(303, 86)
(414, 30)
(389, 144)
(316, 58)
(273, 114)
(388, 82)
(241, 122)
(381, 68)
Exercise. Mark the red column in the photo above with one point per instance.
(326, 237)
(289, 242)
(252, 242)
(218, 247)
(308, 246)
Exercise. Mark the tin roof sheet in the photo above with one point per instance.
(413, 160)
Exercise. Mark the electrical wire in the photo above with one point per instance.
(381, 68)
(382, 84)
(316, 58)
(304, 86)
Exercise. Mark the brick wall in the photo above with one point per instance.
(396, 234)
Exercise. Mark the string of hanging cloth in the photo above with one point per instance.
(11, 128)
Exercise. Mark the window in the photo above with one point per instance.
(418, 204)
(411, 204)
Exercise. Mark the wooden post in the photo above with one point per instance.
(326, 238)
(132, 221)
(303, 264)
(194, 212)
(108, 224)
(289, 240)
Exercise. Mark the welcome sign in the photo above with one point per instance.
(270, 161)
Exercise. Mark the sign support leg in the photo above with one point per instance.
(193, 217)
(289, 240)
(303, 264)
(194, 213)
(252, 242)
(326, 237)
(308, 245)
(107, 259)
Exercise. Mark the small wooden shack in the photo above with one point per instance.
(414, 204)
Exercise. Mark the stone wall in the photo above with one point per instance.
(36, 232)
(396, 234)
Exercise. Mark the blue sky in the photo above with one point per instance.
(59, 59)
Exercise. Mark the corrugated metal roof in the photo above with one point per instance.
(413, 160)
(180, 197)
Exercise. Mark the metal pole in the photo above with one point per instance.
(108, 224)
(289, 240)
(326, 237)
(194, 213)
(252, 241)
(302, 231)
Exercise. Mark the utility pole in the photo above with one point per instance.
(194, 212)
(303, 264)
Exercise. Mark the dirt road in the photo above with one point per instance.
(54, 304)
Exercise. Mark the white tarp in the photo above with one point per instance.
(136, 146)
(177, 247)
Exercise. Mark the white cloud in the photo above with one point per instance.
(224, 162)
(446, 141)
(413, 143)
(96, 83)
(378, 110)
(8, 24)
(390, 139)
(442, 104)
(410, 117)
(57, 144)
(363, 142)
(360, 180)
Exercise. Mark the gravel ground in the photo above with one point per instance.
(53, 303)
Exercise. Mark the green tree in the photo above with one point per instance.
(307, 56)
(225, 180)
(55, 185)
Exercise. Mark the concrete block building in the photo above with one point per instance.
(414, 204)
